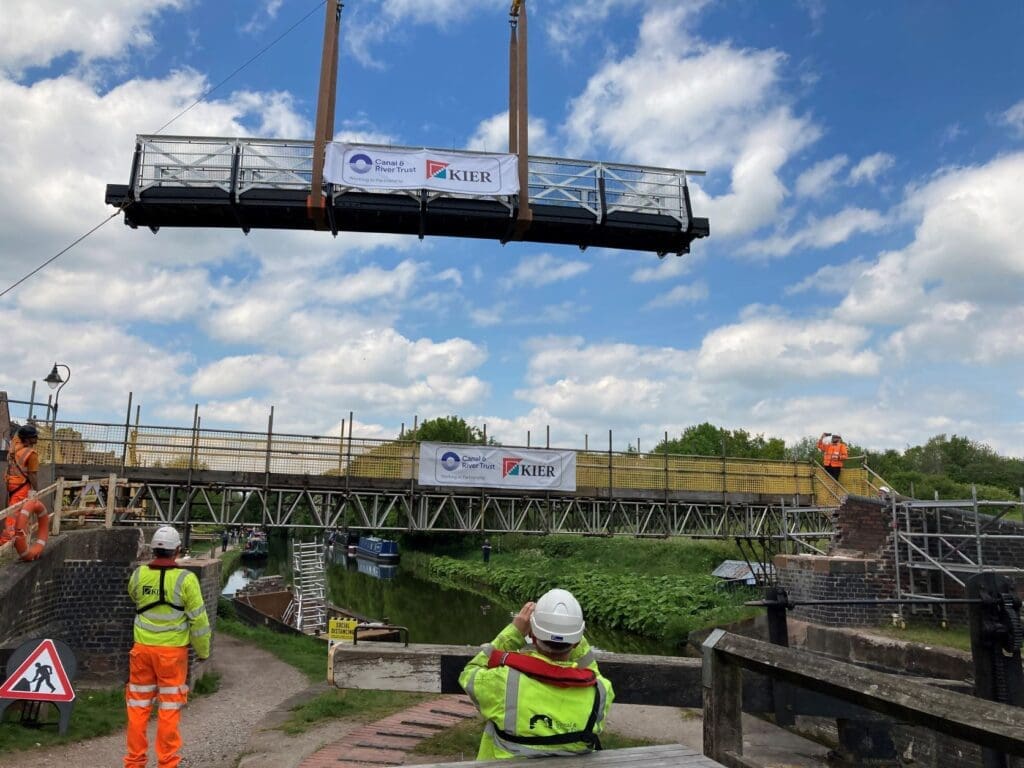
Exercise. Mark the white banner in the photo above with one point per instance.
(352, 165)
(496, 467)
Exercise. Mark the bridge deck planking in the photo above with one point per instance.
(665, 756)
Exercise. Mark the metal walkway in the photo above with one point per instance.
(193, 181)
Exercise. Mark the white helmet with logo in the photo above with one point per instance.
(166, 537)
(557, 618)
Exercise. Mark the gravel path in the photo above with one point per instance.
(216, 729)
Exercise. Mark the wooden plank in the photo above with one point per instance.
(665, 756)
(723, 699)
(983, 722)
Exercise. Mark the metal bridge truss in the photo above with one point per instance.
(397, 510)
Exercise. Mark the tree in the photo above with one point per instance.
(708, 440)
(448, 429)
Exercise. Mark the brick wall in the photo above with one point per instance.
(77, 592)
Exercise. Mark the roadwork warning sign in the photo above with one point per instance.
(342, 630)
(40, 677)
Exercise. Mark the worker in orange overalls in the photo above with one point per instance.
(834, 453)
(170, 614)
(22, 473)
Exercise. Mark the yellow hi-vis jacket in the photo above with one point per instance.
(169, 607)
(517, 706)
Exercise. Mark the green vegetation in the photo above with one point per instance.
(354, 704)
(929, 634)
(306, 654)
(96, 713)
(460, 742)
(708, 440)
(659, 589)
(207, 684)
(228, 563)
(448, 429)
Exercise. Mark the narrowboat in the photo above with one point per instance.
(377, 549)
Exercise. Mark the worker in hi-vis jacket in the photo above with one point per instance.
(537, 684)
(170, 614)
(833, 454)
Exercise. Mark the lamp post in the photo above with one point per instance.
(55, 381)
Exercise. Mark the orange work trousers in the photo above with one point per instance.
(157, 674)
(15, 494)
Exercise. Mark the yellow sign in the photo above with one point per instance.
(342, 630)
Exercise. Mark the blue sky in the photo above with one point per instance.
(865, 271)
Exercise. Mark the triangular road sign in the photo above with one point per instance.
(40, 677)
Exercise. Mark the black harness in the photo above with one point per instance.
(585, 736)
(163, 592)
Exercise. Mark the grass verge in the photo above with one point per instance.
(352, 704)
(96, 713)
(307, 654)
(954, 637)
(461, 742)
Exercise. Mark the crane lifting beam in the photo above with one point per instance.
(194, 181)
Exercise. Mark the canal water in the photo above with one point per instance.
(432, 613)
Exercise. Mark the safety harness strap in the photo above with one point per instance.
(163, 593)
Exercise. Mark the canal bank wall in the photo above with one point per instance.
(77, 592)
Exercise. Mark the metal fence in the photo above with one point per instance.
(118, 446)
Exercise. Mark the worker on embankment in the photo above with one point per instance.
(170, 614)
(22, 474)
(543, 698)
(833, 454)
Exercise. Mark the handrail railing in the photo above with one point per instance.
(93, 444)
(238, 165)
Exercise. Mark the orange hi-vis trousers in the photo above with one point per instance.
(157, 674)
(15, 494)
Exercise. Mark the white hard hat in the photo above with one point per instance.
(557, 617)
(165, 537)
(885, 489)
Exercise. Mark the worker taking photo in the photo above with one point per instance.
(833, 453)
(537, 684)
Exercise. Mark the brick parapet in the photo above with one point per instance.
(77, 592)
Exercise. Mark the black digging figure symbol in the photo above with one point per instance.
(43, 672)
(541, 718)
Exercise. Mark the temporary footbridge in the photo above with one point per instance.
(252, 183)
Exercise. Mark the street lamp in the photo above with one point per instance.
(55, 381)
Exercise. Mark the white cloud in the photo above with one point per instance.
(543, 269)
(682, 294)
(665, 269)
(139, 293)
(450, 275)
(492, 136)
(684, 103)
(832, 278)
(763, 349)
(1013, 118)
(968, 246)
(820, 233)
(34, 32)
(871, 167)
(237, 374)
(820, 177)
(370, 283)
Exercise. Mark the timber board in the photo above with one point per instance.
(665, 756)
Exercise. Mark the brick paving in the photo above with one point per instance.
(388, 741)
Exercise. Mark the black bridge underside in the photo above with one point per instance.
(405, 215)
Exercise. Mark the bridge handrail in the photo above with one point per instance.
(236, 165)
(116, 446)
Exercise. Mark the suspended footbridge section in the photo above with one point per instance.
(245, 183)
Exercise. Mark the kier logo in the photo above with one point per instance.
(510, 466)
(437, 169)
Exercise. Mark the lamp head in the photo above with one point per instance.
(53, 378)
